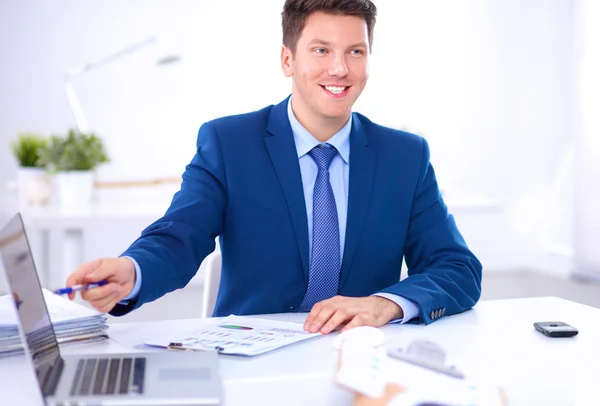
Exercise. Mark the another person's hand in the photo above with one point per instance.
(374, 311)
(391, 390)
(120, 274)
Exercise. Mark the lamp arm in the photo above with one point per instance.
(74, 103)
(80, 70)
(76, 108)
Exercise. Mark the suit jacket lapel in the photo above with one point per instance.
(282, 150)
(362, 171)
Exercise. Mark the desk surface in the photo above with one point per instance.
(494, 342)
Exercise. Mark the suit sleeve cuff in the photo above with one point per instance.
(138, 283)
(409, 308)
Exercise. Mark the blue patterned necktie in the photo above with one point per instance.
(324, 272)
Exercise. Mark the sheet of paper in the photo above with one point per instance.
(363, 369)
(62, 310)
(368, 370)
(240, 336)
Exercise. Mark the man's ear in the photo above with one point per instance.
(287, 60)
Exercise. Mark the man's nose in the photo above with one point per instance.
(338, 66)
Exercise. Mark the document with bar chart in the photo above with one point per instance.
(238, 335)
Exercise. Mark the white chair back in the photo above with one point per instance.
(212, 278)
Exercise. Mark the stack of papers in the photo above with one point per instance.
(71, 322)
(237, 335)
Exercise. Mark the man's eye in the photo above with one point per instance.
(357, 52)
(320, 50)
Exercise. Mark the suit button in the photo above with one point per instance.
(443, 311)
(437, 313)
(432, 315)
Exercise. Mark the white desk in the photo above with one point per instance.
(495, 341)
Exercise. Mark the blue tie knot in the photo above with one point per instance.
(323, 154)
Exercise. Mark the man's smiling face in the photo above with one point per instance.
(330, 66)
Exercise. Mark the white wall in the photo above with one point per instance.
(587, 186)
(489, 84)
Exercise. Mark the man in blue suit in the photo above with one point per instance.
(315, 206)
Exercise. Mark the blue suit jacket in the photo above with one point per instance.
(244, 185)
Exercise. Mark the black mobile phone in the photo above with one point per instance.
(555, 329)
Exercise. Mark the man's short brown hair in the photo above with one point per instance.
(295, 13)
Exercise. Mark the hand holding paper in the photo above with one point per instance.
(377, 379)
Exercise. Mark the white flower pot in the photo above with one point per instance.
(33, 187)
(74, 188)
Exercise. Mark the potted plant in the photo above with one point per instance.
(33, 185)
(73, 159)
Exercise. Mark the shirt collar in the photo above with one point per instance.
(305, 141)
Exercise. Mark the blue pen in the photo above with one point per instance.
(79, 288)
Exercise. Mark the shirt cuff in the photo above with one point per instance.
(138, 282)
(409, 308)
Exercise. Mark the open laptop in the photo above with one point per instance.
(156, 378)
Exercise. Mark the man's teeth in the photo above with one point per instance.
(335, 89)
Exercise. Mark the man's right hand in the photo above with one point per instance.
(120, 274)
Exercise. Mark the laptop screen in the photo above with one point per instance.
(26, 290)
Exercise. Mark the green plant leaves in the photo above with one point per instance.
(27, 147)
(76, 151)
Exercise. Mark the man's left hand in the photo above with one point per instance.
(374, 311)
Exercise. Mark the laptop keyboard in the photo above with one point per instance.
(109, 376)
